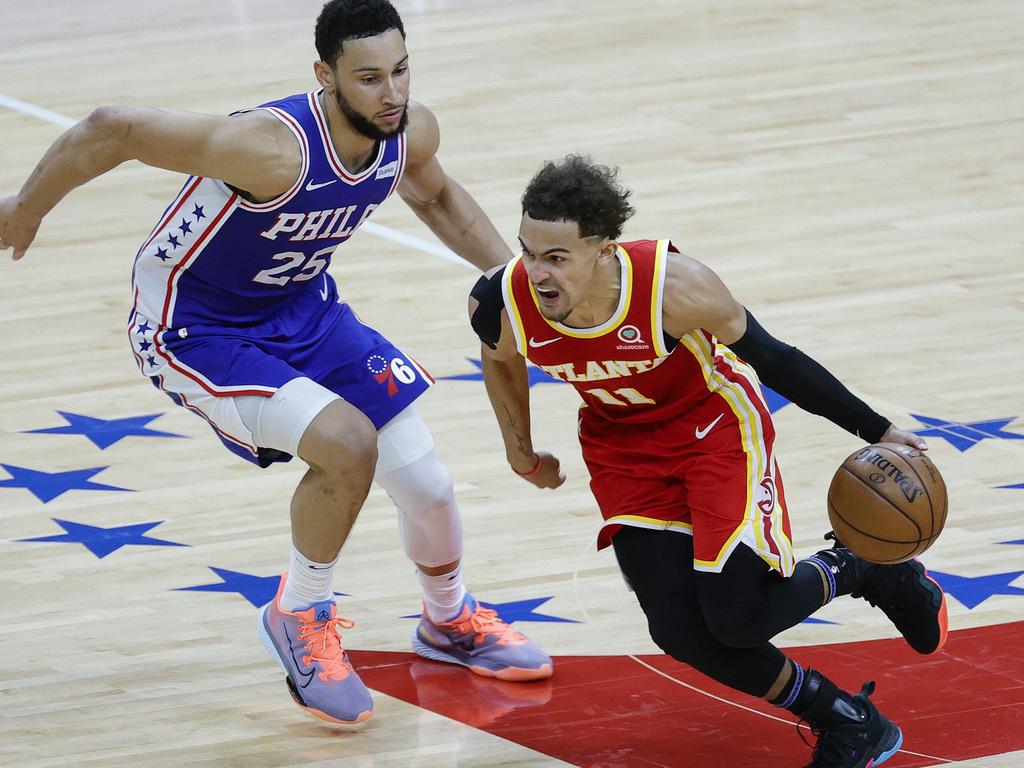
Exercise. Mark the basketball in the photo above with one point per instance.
(887, 502)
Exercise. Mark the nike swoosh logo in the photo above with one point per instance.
(702, 433)
(534, 343)
(323, 295)
(307, 676)
(310, 187)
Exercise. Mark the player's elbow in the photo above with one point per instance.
(107, 132)
(108, 121)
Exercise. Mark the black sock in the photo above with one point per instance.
(819, 701)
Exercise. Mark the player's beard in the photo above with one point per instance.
(365, 127)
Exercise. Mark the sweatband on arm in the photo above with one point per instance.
(806, 383)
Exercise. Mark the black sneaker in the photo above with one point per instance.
(863, 738)
(913, 601)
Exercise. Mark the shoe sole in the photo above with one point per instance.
(512, 674)
(933, 588)
(889, 752)
(943, 617)
(271, 647)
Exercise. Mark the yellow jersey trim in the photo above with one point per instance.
(657, 299)
(512, 308)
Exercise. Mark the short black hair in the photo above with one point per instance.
(577, 189)
(342, 20)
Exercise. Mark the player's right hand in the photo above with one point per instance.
(547, 474)
(18, 227)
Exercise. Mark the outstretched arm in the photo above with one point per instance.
(696, 297)
(508, 388)
(441, 203)
(253, 152)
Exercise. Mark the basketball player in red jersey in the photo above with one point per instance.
(678, 442)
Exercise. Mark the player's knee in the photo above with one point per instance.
(738, 626)
(341, 442)
(422, 490)
(436, 491)
(673, 636)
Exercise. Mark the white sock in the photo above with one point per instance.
(442, 594)
(308, 582)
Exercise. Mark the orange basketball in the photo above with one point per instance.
(887, 503)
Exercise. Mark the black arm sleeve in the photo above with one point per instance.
(486, 321)
(800, 379)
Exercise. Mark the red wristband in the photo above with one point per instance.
(532, 472)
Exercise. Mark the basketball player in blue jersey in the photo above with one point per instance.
(235, 317)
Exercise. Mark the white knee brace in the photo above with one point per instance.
(411, 473)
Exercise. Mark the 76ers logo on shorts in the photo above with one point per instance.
(394, 372)
(767, 502)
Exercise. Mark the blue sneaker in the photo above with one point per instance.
(478, 639)
(307, 646)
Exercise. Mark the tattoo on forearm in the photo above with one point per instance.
(511, 422)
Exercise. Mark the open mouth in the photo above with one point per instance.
(547, 295)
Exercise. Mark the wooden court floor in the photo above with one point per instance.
(855, 173)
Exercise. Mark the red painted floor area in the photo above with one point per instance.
(611, 712)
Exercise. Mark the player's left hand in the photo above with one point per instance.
(901, 436)
(546, 473)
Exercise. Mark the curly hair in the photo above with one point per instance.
(342, 20)
(576, 189)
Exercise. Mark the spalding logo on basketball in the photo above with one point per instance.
(887, 502)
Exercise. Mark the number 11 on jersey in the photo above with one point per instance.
(626, 396)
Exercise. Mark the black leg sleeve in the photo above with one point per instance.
(747, 604)
(659, 567)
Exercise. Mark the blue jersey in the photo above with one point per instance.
(217, 259)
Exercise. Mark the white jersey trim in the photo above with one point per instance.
(300, 136)
(170, 297)
(332, 155)
(658, 294)
(512, 308)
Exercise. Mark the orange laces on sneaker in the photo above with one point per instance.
(485, 623)
(323, 641)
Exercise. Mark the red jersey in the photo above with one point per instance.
(623, 368)
(675, 433)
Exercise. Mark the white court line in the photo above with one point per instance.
(414, 242)
(588, 547)
(376, 229)
(31, 109)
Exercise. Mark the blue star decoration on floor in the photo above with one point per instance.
(1015, 486)
(774, 400)
(535, 374)
(102, 541)
(105, 432)
(258, 590)
(47, 486)
(518, 610)
(973, 591)
(964, 435)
